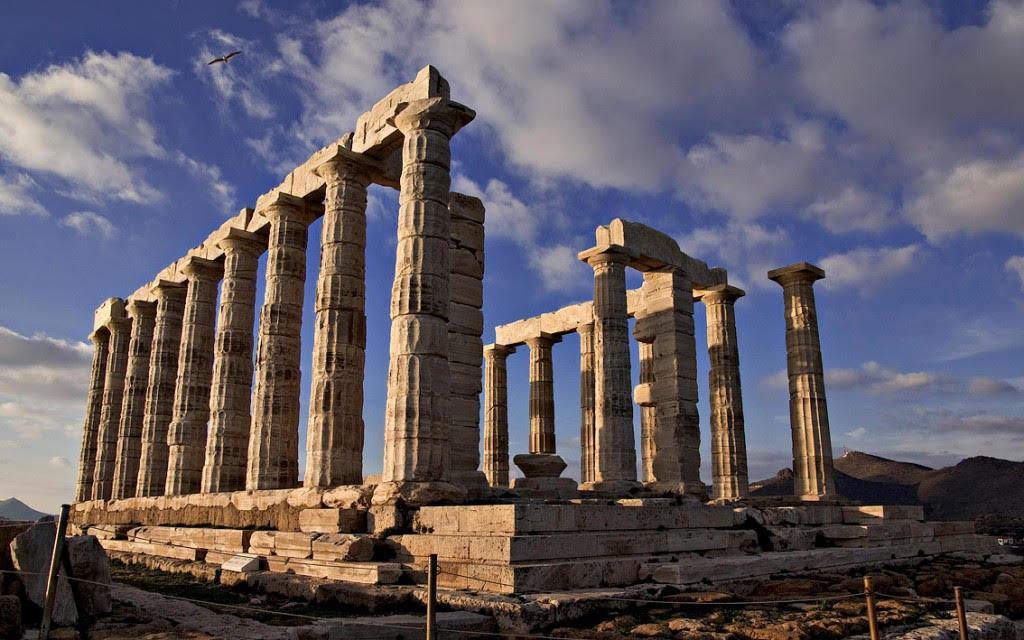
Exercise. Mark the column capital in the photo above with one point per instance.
(239, 240)
(280, 205)
(585, 328)
(719, 293)
(543, 340)
(604, 255)
(197, 268)
(497, 350)
(800, 272)
(438, 114)
(141, 309)
(162, 288)
(344, 163)
(99, 337)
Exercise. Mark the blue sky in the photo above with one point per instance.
(881, 141)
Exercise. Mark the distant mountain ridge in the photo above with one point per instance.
(977, 487)
(14, 509)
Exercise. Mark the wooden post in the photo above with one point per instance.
(869, 595)
(432, 598)
(961, 612)
(51, 578)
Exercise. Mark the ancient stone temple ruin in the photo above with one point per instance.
(190, 442)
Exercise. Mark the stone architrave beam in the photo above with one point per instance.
(808, 411)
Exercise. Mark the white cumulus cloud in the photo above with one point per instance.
(866, 268)
(89, 222)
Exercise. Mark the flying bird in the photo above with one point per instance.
(223, 58)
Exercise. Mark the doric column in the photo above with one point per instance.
(273, 460)
(186, 435)
(648, 413)
(227, 440)
(542, 394)
(110, 414)
(93, 408)
(615, 447)
(129, 438)
(808, 413)
(163, 375)
(672, 451)
(587, 465)
(728, 442)
(496, 414)
(334, 432)
(416, 448)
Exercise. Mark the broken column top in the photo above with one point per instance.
(806, 269)
(112, 309)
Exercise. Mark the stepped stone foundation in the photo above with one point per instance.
(190, 442)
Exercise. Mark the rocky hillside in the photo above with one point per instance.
(14, 509)
(978, 487)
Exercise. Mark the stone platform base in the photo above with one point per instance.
(527, 546)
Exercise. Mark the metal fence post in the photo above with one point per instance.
(432, 598)
(961, 612)
(51, 579)
(869, 595)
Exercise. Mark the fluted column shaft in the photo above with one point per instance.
(615, 447)
(93, 408)
(273, 460)
(728, 442)
(416, 447)
(648, 414)
(227, 442)
(587, 464)
(542, 395)
(334, 435)
(110, 414)
(160, 388)
(186, 435)
(808, 410)
(496, 414)
(129, 439)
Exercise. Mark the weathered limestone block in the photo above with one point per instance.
(496, 414)
(129, 438)
(160, 390)
(416, 448)
(348, 496)
(273, 459)
(666, 319)
(226, 540)
(334, 435)
(110, 414)
(240, 563)
(186, 435)
(728, 441)
(30, 553)
(332, 520)
(282, 543)
(343, 547)
(110, 531)
(868, 514)
(93, 408)
(227, 443)
(808, 411)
